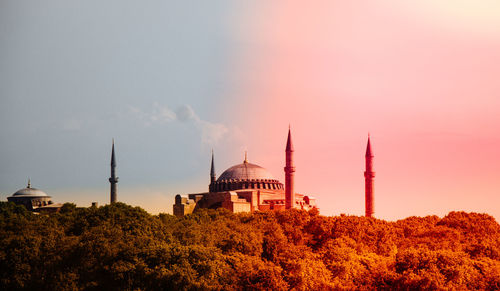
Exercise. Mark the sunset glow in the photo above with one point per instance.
(421, 77)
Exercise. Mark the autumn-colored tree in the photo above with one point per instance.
(120, 247)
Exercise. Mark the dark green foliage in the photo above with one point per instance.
(119, 247)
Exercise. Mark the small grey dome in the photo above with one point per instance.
(30, 192)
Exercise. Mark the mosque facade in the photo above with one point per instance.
(248, 187)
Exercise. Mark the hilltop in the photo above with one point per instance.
(120, 247)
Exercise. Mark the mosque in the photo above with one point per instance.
(34, 200)
(248, 187)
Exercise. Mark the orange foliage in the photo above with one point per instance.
(118, 247)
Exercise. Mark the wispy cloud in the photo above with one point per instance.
(72, 125)
(210, 132)
(159, 114)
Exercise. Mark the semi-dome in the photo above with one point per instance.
(246, 171)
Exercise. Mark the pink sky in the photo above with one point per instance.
(422, 78)
(176, 80)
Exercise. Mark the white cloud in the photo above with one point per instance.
(210, 132)
(162, 114)
(186, 113)
(72, 125)
(159, 114)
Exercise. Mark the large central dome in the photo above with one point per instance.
(244, 176)
(246, 171)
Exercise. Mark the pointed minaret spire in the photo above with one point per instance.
(213, 178)
(29, 182)
(289, 173)
(113, 160)
(245, 161)
(369, 177)
(113, 179)
(289, 144)
(368, 148)
(212, 169)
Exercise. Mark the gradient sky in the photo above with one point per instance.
(170, 80)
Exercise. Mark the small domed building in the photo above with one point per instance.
(247, 187)
(34, 199)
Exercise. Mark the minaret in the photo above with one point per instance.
(369, 175)
(212, 170)
(113, 179)
(289, 173)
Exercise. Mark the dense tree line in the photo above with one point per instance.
(119, 247)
